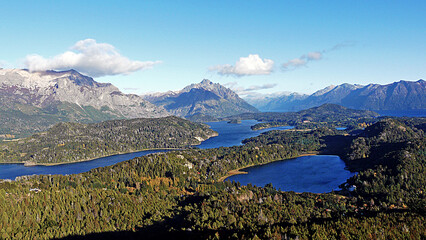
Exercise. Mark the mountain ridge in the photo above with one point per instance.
(401, 95)
(206, 98)
(34, 101)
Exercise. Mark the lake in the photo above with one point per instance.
(311, 173)
(317, 174)
(11, 171)
(229, 135)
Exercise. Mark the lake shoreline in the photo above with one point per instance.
(238, 171)
(224, 135)
(32, 164)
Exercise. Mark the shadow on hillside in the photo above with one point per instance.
(160, 230)
(152, 232)
(170, 228)
(336, 145)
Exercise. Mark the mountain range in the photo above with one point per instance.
(402, 95)
(202, 100)
(35, 101)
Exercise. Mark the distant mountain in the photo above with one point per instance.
(206, 99)
(402, 95)
(34, 101)
(283, 101)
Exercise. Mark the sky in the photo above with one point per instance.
(253, 47)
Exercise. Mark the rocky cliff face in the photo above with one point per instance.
(402, 95)
(204, 98)
(36, 100)
(42, 89)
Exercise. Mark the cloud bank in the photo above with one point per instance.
(246, 66)
(90, 58)
(302, 61)
(248, 90)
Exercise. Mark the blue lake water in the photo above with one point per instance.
(317, 174)
(311, 173)
(11, 171)
(229, 135)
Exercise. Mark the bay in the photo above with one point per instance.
(231, 134)
(317, 174)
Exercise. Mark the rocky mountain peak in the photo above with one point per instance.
(48, 89)
(206, 82)
(205, 98)
(401, 95)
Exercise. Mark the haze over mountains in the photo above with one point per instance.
(402, 95)
(204, 98)
(34, 101)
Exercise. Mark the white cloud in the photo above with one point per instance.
(340, 45)
(261, 87)
(302, 61)
(246, 66)
(248, 90)
(312, 56)
(91, 58)
(297, 62)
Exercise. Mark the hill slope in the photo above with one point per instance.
(323, 113)
(205, 98)
(71, 142)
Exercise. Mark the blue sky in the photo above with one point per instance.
(266, 46)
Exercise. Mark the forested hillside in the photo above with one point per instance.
(71, 142)
(177, 194)
(325, 115)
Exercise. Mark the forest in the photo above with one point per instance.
(178, 194)
(73, 142)
(325, 113)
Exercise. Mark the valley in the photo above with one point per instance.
(183, 167)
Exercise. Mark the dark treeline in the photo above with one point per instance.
(177, 194)
(70, 142)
